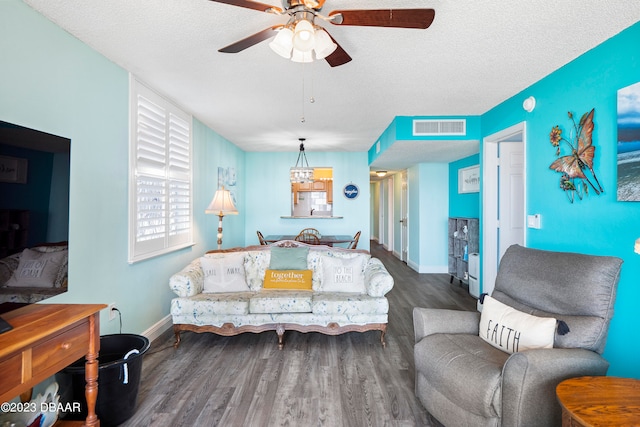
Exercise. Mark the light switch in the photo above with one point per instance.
(534, 221)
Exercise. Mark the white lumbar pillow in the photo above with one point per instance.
(511, 330)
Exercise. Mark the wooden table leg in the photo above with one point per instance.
(91, 371)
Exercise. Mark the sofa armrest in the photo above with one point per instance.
(428, 321)
(530, 378)
(189, 281)
(377, 279)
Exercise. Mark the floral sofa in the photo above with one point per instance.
(225, 292)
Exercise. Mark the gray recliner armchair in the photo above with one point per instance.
(463, 381)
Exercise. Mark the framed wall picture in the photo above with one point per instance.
(13, 169)
(629, 144)
(469, 179)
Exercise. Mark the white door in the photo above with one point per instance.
(511, 214)
(404, 224)
(503, 198)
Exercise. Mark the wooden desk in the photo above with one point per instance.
(327, 239)
(45, 339)
(599, 401)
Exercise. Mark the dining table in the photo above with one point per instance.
(325, 239)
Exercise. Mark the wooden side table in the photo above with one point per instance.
(46, 338)
(599, 401)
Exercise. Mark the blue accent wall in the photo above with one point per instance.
(598, 225)
(269, 195)
(463, 204)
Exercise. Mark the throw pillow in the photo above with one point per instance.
(37, 269)
(224, 274)
(511, 330)
(343, 275)
(288, 279)
(288, 258)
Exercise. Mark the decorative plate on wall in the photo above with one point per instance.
(351, 191)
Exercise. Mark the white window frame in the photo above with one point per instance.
(160, 161)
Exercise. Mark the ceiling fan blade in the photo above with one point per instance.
(247, 42)
(262, 7)
(399, 18)
(339, 56)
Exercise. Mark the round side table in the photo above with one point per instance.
(599, 401)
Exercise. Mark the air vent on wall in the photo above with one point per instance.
(447, 127)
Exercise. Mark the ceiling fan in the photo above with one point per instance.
(300, 39)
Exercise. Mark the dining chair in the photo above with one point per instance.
(310, 231)
(354, 242)
(261, 238)
(309, 238)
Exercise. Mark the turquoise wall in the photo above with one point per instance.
(49, 81)
(597, 225)
(401, 129)
(269, 195)
(462, 204)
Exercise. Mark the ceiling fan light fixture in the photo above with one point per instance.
(303, 37)
(324, 45)
(282, 43)
(300, 56)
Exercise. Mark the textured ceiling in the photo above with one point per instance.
(475, 55)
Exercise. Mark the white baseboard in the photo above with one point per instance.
(158, 328)
(397, 255)
(433, 269)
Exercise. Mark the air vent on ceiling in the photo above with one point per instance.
(440, 127)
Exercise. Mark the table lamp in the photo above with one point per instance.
(221, 205)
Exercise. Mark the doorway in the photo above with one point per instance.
(503, 198)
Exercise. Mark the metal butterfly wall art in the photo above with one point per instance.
(577, 167)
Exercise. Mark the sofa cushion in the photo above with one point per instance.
(464, 369)
(280, 301)
(511, 330)
(288, 279)
(233, 303)
(224, 273)
(37, 269)
(256, 264)
(348, 303)
(288, 258)
(343, 275)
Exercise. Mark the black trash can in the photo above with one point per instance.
(119, 369)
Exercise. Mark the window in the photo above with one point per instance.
(160, 215)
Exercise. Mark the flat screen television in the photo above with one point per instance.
(34, 214)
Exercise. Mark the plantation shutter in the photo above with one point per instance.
(161, 217)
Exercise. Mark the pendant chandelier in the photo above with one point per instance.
(301, 173)
(302, 41)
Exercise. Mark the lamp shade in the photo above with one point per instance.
(303, 37)
(324, 45)
(300, 56)
(222, 204)
(283, 43)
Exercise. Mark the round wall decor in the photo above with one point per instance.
(351, 191)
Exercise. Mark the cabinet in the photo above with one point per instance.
(46, 338)
(463, 235)
(14, 231)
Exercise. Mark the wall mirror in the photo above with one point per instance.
(313, 198)
(34, 214)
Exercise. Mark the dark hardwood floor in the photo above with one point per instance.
(316, 380)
